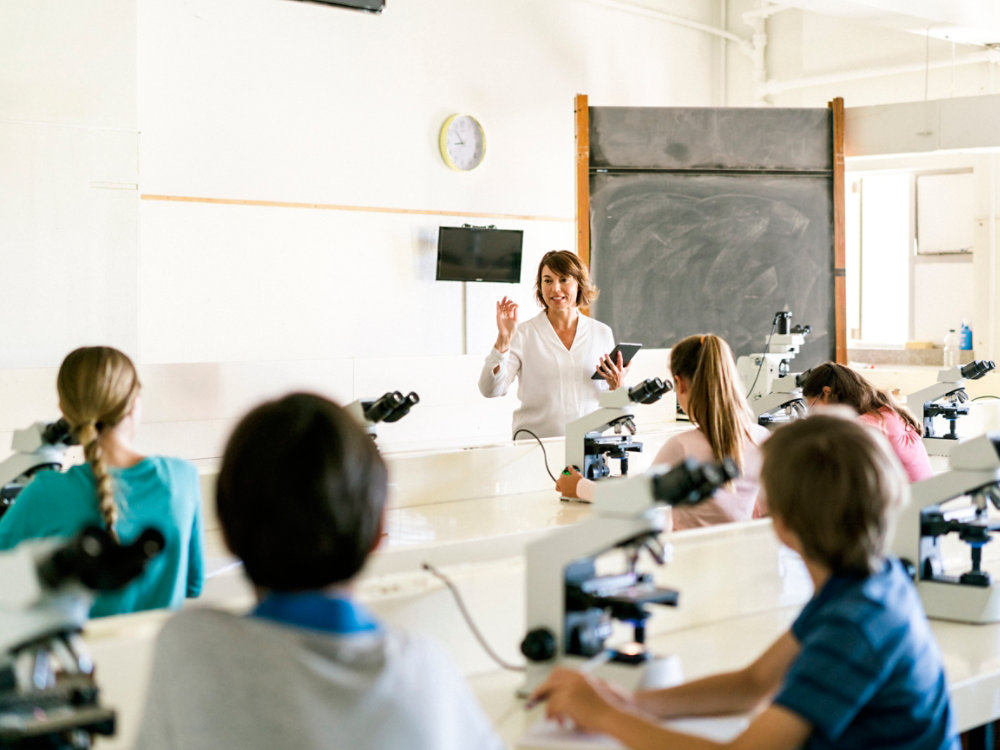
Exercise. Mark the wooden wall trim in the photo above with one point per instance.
(839, 237)
(582, 114)
(340, 207)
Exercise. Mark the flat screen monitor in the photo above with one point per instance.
(479, 254)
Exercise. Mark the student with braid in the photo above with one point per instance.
(709, 391)
(117, 488)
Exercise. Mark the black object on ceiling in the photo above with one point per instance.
(371, 6)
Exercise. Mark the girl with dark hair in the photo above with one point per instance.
(708, 389)
(554, 354)
(832, 383)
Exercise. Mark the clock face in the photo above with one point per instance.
(462, 142)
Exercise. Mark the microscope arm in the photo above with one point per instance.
(935, 392)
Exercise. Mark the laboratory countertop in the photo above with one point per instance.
(971, 658)
(740, 589)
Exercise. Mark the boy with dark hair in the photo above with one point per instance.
(859, 667)
(301, 495)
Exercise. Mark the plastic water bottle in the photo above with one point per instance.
(951, 341)
(965, 337)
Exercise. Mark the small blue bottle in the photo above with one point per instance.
(965, 337)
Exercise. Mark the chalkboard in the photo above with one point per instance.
(732, 222)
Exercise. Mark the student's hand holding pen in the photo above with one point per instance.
(582, 699)
(567, 481)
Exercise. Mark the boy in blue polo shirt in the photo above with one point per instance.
(859, 667)
(301, 494)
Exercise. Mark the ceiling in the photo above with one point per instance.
(975, 22)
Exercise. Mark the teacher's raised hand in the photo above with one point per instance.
(506, 323)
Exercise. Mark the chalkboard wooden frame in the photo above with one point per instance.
(713, 219)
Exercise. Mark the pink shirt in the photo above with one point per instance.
(905, 441)
(738, 503)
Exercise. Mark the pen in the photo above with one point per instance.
(587, 667)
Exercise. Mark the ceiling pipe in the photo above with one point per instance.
(991, 56)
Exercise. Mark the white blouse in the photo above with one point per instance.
(554, 384)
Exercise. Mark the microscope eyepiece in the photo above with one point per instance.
(383, 406)
(97, 561)
(58, 432)
(691, 482)
(649, 391)
(782, 321)
(410, 400)
(977, 368)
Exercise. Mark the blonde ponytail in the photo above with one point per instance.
(715, 402)
(97, 389)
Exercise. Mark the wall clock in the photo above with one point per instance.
(462, 142)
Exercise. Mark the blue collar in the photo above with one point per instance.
(332, 614)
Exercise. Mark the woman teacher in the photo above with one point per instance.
(554, 354)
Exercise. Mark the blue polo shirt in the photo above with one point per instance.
(869, 674)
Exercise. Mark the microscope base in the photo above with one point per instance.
(959, 602)
(939, 446)
(658, 672)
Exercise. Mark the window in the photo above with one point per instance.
(909, 255)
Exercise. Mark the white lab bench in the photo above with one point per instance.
(739, 589)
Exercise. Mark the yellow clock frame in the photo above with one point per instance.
(458, 153)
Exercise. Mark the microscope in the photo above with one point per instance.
(389, 407)
(973, 481)
(36, 448)
(945, 400)
(48, 695)
(588, 449)
(571, 609)
(775, 394)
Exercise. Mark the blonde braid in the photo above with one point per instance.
(94, 453)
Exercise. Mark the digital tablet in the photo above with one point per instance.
(627, 350)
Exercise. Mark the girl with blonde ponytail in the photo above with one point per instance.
(117, 488)
(708, 390)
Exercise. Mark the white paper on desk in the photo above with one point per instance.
(548, 735)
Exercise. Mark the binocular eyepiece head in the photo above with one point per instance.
(690, 482)
(649, 391)
(410, 400)
(977, 368)
(390, 407)
(59, 432)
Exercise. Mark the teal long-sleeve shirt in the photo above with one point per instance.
(157, 491)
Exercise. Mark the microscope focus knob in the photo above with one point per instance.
(539, 645)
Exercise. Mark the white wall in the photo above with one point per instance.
(114, 112)
(68, 176)
(249, 106)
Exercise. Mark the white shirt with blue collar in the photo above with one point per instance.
(305, 671)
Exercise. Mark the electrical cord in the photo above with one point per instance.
(988, 395)
(763, 359)
(468, 618)
(545, 456)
